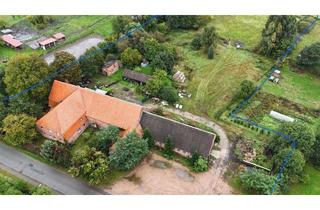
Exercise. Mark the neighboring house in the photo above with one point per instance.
(10, 41)
(136, 76)
(186, 139)
(179, 77)
(73, 108)
(48, 43)
(111, 67)
(59, 37)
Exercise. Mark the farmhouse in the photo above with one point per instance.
(111, 67)
(10, 41)
(186, 139)
(47, 43)
(73, 108)
(136, 76)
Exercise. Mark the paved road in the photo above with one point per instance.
(42, 173)
(76, 49)
(217, 185)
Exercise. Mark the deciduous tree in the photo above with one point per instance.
(91, 62)
(278, 34)
(310, 57)
(90, 164)
(105, 138)
(69, 67)
(131, 57)
(19, 129)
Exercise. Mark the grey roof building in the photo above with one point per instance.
(135, 76)
(186, 139)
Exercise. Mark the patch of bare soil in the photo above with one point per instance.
(159, 176)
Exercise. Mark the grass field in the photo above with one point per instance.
(301, 88)
(246, 29)
(215, 82)
(311, 185)
(307, 40)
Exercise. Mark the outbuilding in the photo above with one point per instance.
(48, 43)
(10, 41)
(136, 76)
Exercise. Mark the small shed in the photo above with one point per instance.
(59, 36)
(10, 41)
(47, 43)
(179, 77)
(136, 76)
(281, 117)
(111, 67)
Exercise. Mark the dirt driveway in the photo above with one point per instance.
(159, 176)
(77, 49)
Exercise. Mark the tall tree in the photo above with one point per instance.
(19, 129)
(69, 67)
(182, 21)
(209, 37)
(131, 57)
(310, 57)
(278, 34)
(105, 138)
(24, 71)
(299, 132)
(91, 62)
(120, 23)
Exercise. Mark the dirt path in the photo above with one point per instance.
(155, 181)
(159, 176)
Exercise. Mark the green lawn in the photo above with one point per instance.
(311, 185)
(246, 29)
(301, 88)
(11, 19)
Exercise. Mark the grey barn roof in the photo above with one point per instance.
(136, 76)
(184, 137)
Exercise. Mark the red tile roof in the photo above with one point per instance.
(78, 103)
(47, 41)
(10, 40)
(59, 36)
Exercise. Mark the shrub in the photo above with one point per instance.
(147, 135)
(310, 57)
(210, 52)
(200, 165)
(105, 138)
(129, 152)
(196, 42)
(89, 164)
(168, 148)
(169, 93)
(56, 152)
(257, 182)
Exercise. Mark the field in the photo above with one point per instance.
(246, 29)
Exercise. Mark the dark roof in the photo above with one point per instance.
(136, 76)
(184, 137)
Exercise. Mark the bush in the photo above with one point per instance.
(246, 89)
(169, 93)
(56, 152)
(210, 52)
(196, 42)
(168, 148)
(200, 165)
(89, 164)
(257, 182)
(315, 157)
(147, 135)
(40, 190)
(105, 138)
(129, 152)
(40, 21)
